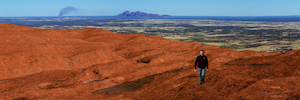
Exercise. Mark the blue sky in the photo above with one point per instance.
(14, 8)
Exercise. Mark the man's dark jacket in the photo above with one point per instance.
(201, 62)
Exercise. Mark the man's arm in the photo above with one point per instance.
(196, 63)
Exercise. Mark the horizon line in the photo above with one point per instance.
(155, 17)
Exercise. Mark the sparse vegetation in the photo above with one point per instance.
(238, 35)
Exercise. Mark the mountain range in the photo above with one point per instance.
(140, 14)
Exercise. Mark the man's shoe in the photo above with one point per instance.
(200, 83)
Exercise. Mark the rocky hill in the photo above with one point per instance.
(99, 64)
(140, 14)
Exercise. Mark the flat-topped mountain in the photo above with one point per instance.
(99, 64)
(140, 14)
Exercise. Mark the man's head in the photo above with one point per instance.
(201, 52)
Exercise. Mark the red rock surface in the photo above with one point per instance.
(99, 64)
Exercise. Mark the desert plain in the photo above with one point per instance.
(265, 35)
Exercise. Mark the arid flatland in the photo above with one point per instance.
(267, 36)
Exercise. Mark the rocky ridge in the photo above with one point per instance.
(99, 64)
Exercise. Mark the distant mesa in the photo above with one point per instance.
(140, 14)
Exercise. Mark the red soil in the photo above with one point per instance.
(99, 64)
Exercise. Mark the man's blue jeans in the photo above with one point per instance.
(201, 73)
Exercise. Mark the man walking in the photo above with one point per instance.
(201, 62)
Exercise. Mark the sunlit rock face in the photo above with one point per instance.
(99, 64)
